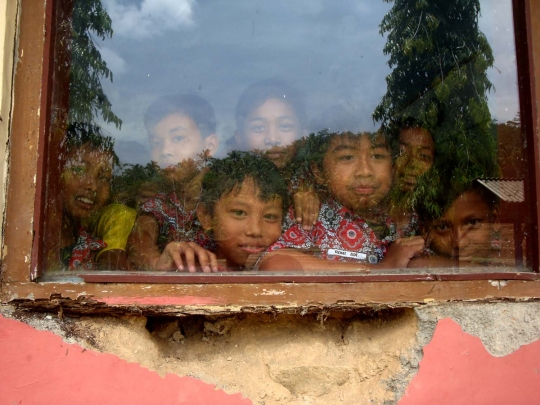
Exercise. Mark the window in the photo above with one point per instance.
(343, 90)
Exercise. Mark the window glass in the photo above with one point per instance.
(314, 135)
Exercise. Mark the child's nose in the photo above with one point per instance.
(363, 166)
(273, 137)
(253, 227)
(165, 148)
(90, 182)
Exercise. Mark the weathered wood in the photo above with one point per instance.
(285, 297)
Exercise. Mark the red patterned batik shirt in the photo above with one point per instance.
(340, 235)
(175, 222)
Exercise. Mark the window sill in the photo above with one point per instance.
(267, 294)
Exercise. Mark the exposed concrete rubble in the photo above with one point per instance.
(364, 356)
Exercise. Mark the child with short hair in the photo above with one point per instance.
(271, 120)
(414, 159)
(180, 127)
(270, 116)
(241, 211)
(182, 133)
(465, 234)
(94, 233)
(351, 232)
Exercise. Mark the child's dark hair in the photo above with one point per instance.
(227, 174)
(81, 133)
(195, 107)
(256, 95)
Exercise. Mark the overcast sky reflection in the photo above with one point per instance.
(331, 50)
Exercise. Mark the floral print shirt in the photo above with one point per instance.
(175, 222)
(340, 235)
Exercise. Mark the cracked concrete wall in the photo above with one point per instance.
(349, 357)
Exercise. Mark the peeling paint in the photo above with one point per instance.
(498, 283)
(186, 300)
(272, 292)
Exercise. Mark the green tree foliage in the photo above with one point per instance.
(440, 59)
(87, 99)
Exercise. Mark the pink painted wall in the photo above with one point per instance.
(38, 367)
(457, 369)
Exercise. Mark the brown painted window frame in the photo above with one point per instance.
(172, 293)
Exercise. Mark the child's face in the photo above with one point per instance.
(243, 224)
(176, 138)
(357, 171)
(465, 228)
(270, 128)
(86, 181)
(416, 152)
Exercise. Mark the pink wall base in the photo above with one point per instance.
(38, 367)
(456, 369)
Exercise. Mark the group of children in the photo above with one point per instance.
(292, 201)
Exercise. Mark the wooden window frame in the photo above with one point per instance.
(175, 294)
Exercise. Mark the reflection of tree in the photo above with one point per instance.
(77, 100)
(86, 97)
(440, 59)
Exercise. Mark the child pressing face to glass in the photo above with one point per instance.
(416, 154)
(270, 116)
(351, 230)
(357, 170)
(241, 211)
(180, 127)
(86, 182)
(465, 231)
(243, 223)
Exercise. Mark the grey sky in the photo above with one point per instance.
(331, 50)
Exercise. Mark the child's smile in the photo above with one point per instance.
(86, 181)
(243, 224)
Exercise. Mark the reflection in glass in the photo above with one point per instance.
(278, 135)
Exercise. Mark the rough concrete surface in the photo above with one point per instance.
(363, 357)
(503, 327)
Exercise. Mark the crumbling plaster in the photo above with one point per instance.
(364, 356)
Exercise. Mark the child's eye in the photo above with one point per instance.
(474, 222)
(272, 217)
(105, 177)
(258, 128)
(178, 139)
(286, 127)
(78, 169)
(379, 155)
(238, 213)
(426, 158)
(345, 158)
(443, 227)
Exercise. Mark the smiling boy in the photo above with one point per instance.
(351, 232)
(94, 233)
(241, 211)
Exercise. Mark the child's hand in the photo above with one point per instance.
(176, 254)
(401, 251)
(306, 208)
